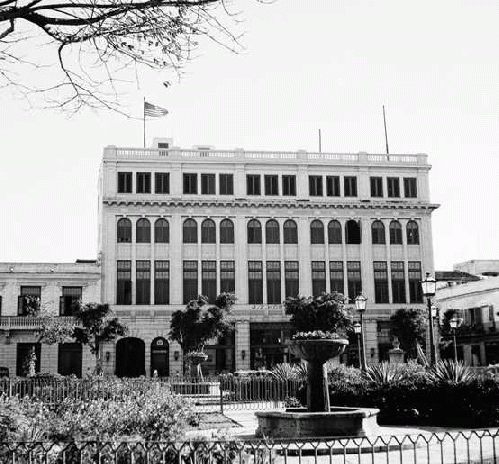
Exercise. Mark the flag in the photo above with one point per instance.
(154, 111)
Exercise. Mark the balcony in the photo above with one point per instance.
(26, 322)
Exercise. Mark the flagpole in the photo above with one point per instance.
(144, 112)
(320, 142)
(386, 135)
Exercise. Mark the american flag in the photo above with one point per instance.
(154, 111)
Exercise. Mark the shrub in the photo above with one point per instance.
(451, 371)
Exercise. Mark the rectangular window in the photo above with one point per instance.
(226, 184)
(190, 183)
(209, 280)
(271, 185)
(161, 282)
(190, 280)
(274, 282)
(29, 301)
(332, 186)
(315, 186)
(208, 184)
(410, 187)
(291, 278)
(398, 282)
(318, 277)
(354, 279)
(124, 284)
(124, 182)
(24, 353)
(253, 184)
(143, 182)
(381, 282)
(69, 299)
(376, 186)
(162, 182)
(227, 277)
(289, 185)
(143, 282)
(393, 187)
(255, 282)
(350, 186)
(336, 276)
(415, 290)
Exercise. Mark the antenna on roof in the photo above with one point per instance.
(386, 135)
(320, 142)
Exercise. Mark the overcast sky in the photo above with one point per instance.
(325, 64)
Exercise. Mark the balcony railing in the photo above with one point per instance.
(26, 322)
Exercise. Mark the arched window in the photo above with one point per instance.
(290, 231)
(190, 231)
(226, 231)
(272, 231)
(412, 233)
(378, 233)
(395, 233)
(352, 232)
(316, 232)
(161, 231)
(334, 232)
(254, 231)
(208, 231)
(124, 231)
(143, 231)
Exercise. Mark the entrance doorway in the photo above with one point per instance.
(160, 357)
(130, 357)
(69, 359)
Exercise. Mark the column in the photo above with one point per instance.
(176, 269)
(243, 344)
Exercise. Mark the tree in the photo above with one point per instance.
(84, 51)
(409, 326)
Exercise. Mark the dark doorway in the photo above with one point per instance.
(25, 351)
(130, 357)
(160, 357)
(69, 359)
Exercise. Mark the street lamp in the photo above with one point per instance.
(429, 287)
(360, 304)
(357, 328)
(454, 323)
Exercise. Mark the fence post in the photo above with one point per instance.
(221, 395)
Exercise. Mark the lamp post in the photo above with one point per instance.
(357, 328)
(429, 287)
(360, 304)
(454, 323)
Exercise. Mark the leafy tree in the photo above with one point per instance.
(409, 326)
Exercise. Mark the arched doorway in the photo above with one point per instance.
(160, 357)
(130, 357)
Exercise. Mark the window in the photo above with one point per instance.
(24, 353)
(410, 187)
(395, 233)
(255, 282)
(352, 232)
(315, 186)
(272, 231)
(332, 186)
(354, 279)
(376, 186)
(398, 282)
(161, 231)
(208, 231)
(124, 231)
(226, 184)
(227, 277)
(350, 186)
(190, 231)
(393, 184)
(415, 290)
(291, 278)
(143, 282)
(334, 232)
(290, 230)
(209, 280)
(318, 277)
(143, 234)
(190, 279)
(162, 182)
(28, 303)
(226, 231)
(271, 185)
(381, 282)
(289, 185)
(316, 232)
(254, 231)
(190, 183)
(378, 233)
(336, 276)
(161, 282)
(274, 282)
(208, 184)
(124, 182)
(124, 283)
(143, 182)
(69, 300)
(253, 184)
(412, 233)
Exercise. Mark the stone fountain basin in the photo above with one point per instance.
(298, 423)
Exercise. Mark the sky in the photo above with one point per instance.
(305, 65)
